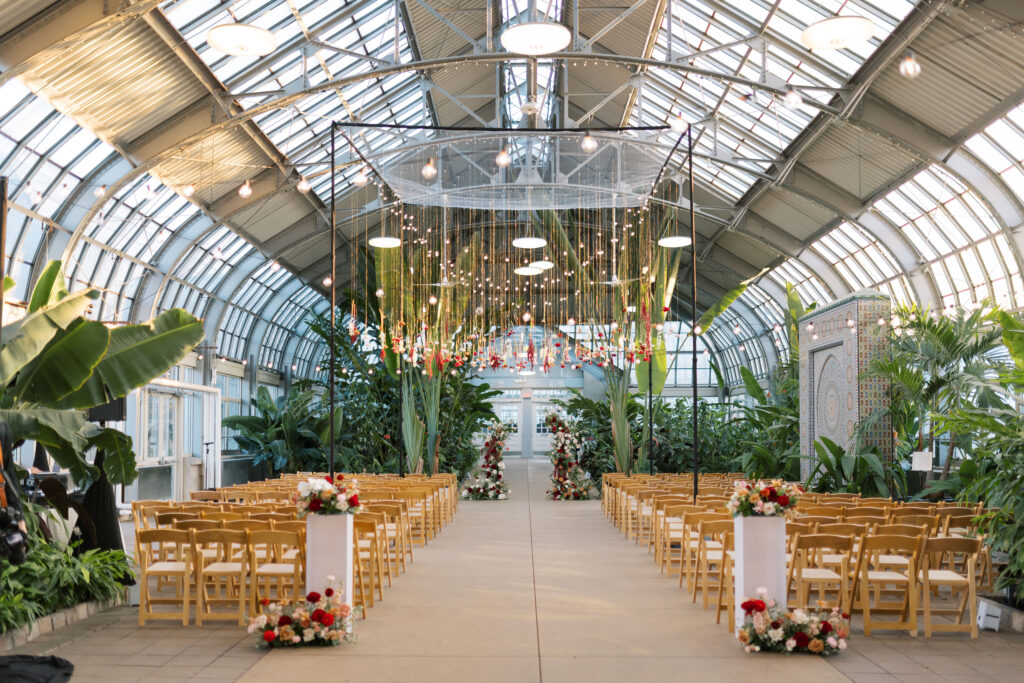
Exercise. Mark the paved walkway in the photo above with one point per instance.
(521, 590)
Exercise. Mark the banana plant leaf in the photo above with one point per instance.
(1013, 337)
(727, 300)
(413, 430)
(754, 389)
(49, 288)
(119, 463)
(659, 372)
(59, 430)
(25, 340)
(137, 354)
(65, 364)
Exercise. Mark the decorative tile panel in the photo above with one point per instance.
(837, 344)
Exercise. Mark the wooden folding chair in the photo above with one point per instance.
(873, 578)
(964, 584)
(709, 574)
(222, 572)
(270, 566)
(152, 544)
(821, 560)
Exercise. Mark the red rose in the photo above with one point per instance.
(269, 636)
(327, 619)
(313, 597)
(329, 592)
(338, 477)
(284, 620)
(801, 639)
(354, 501)
(317, 615)
(826, 627)
(776, 624)
(265, 601)
(783, 500)
(314, 505)
(328, 479)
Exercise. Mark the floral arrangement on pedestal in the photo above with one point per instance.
(569, 480)
(320, 619)
(328, 496)
(773, 498)
(770, 627)
(488, 482)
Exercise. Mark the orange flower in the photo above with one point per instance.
(743, 636)
(816, 645)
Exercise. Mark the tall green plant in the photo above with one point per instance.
(55, 362)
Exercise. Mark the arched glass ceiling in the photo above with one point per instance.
(751, 129)
(957, 238)
(863, 262)
(808, 286)
(1001, 147)
(300, 132)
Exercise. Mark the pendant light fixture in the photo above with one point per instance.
(837, 33)
(678, 124)
(361, 178)
(527, 271)
(303, 185)
(529, 242)
(674, 241)
(542, 265)
(429, 170)
(588, 144)
(245, 191)
(536, 35)
(241, 40)
(909, 66)
(503, 159)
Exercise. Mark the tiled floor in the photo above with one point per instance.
(522, 590)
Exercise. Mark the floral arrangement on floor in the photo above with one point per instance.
(770, 627)
(773, 498)
(488, 482)
(328, 496)
(569, 480)
(320, 619)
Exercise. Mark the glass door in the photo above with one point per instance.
(164, 473)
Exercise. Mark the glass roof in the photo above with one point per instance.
(863, 262)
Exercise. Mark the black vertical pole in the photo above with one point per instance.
(693, 307)
(650, 403)
(334, 275)
(3, 246)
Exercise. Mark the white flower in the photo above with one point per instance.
(776, 634)
(769, 509)
(800, 616)
(762, 591)
(501, 496)
(465, 493)
(331, 578)
(790, 644)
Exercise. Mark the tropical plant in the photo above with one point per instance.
(937, 365)
(288, 433)
(774, 450)
(56, 362)
(836, 470)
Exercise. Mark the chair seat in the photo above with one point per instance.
(820, 574)
(893, 561)
(944, 576)
(275, 568)
(165, 567)
(223, 568)
(882, 576)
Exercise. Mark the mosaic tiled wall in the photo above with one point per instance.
(837, 343)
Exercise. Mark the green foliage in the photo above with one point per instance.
(53, 578)
(774, 422)
(54, 359)
(839, 471)
(288, 433)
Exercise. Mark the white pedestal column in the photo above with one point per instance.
(760, 559)
(329, 552)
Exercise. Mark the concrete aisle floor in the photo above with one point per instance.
(528, 590)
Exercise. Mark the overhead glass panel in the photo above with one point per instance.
(1001, 147)
(961, 242)
(808, 286)
(863, 262)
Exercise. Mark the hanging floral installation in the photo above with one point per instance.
(488, 483)
(457, 285)
(569, 481)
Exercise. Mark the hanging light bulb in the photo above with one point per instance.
(303, 185)
(678, 124)
(736, 330)
(361, 178)
(527, 317)
(327, 281)
(100, 191)
(245, 191)
(792, 98)
(432, 300)
(571, 321)
(503, 159)
(429, 170)
(380, 292)
(36, 197)
(909, 66)
(274, 266)
(588, 144)
(218, 253)
(188, 190)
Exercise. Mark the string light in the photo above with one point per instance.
(245, 191)
(792, 98)
(429, 170)
(303, 185)
(327, 281)
(909, 66)
(588, 144)
(274, 266)
(678, 124)
(361, 178)
(100, 191)
(188, 190)
(503, 159)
